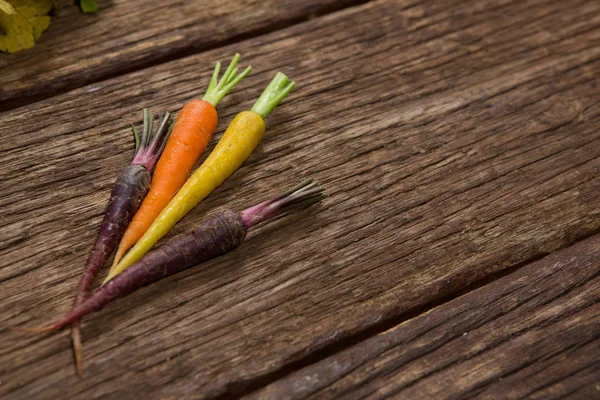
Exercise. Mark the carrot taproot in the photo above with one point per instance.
(218, 233)
(125, 199)
(239, 140)
(192, 131)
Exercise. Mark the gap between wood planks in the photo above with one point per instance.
(180, 53)
(246, 388)
(531, 334)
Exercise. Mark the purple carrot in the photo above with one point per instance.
(125, 199)
(218, 233)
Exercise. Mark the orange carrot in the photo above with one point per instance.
(191, 133)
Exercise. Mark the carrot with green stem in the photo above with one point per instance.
(238, 142)
(219, 232)
(125, 199)
(192, 131)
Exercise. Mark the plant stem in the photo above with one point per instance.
(136, 137)
(149, 147)
(274, 93)
(303, 195)
(217, 89)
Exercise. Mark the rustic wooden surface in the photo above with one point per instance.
(132, 34)
(458, 141)
(534, 333)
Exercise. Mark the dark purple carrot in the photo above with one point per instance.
(125, 199)
(218, 233)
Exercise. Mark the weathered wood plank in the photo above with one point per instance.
(455, 141)
(534, 333)
(129, 34)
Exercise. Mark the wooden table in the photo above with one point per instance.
(457, 257)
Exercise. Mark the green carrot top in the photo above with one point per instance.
(273, 94)
(217, 89)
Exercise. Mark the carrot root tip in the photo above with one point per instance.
(77, 350)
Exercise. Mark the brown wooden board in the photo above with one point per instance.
(455, 141)
(128, 34)
(533, 334)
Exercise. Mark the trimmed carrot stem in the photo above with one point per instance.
(303, 195)
(274, 94)
(217, 89)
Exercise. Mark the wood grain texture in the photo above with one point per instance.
(532, 334)
(455, 141)
(128, 34)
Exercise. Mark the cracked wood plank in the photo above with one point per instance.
(534, 334)
(455, 141)
(128, 34)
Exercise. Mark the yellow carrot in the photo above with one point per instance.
(239, 140)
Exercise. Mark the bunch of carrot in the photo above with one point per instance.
(158, 203)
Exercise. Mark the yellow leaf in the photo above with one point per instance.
(41, 6)
(6, 7)
(40, 24)
(20, 30)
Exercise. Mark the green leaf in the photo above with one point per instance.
(88, 6)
